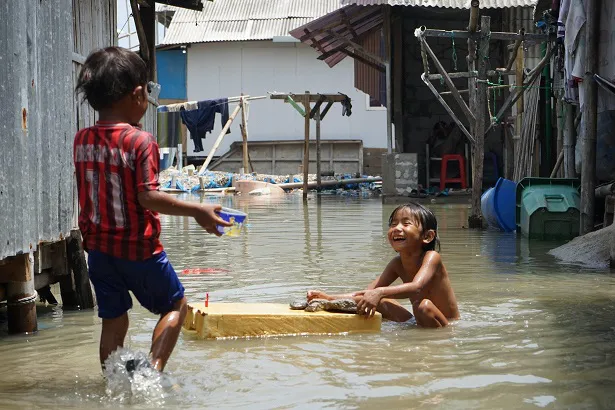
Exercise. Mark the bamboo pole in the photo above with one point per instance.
(244, 135)
(219, 140)
(569, 136)
(476, 220)
(588, 163)
(306, 147)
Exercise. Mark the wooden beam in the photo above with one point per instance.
(136, 15)
(447, 108)
(326, 110)
(357, 47)
(346, 21)
(318, 177)
(449, 82)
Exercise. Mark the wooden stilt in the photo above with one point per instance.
(75, 289)
(244, 134)
(20, 294)
(476, 219)
(588, 161)
(306, 147)
(318, 170)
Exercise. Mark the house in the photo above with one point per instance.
(235, 46)
(415, 113)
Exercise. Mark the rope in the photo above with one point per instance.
(23, 301)
(454, 51)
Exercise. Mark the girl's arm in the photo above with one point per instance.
(431, 265)
(388, 275)
(371, 297)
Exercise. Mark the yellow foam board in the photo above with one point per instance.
(267, 319)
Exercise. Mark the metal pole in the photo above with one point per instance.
(588, 164)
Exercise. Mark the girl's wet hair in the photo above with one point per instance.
(425, 218)
(109, 74)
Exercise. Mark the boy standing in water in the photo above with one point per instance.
(117, 179)
(413, 235)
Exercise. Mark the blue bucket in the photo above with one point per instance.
(234, 216)
(498, 205)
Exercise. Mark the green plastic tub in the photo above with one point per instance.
(548, 208)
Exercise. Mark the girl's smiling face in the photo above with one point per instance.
(406, 233)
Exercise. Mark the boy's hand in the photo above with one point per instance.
(207, 216)
(369, 301)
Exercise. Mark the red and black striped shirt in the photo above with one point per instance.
(114, 162)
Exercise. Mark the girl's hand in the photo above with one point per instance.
(369, 301)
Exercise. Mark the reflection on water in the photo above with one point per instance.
(533, 333)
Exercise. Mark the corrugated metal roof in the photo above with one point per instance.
(451, 4)
(242, 20)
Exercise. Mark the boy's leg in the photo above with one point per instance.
(157, 287)
(113, 301)
(112, 336)
(428, 315)
(166, 333)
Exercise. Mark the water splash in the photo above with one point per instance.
(132, 380)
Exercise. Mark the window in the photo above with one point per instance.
(372, 104)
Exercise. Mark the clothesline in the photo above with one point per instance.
(192, 105)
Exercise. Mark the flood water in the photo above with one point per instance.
(533, 333)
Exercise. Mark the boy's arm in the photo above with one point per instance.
(371, 297)
(205, 215)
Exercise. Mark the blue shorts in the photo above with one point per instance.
(153, 282)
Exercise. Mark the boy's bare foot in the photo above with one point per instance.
(317, 294)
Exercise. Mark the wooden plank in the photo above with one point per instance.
(16, 269)
(448, 82)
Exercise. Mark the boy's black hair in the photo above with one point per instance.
(426, 219)
(109, 74)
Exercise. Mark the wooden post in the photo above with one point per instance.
(389, 96)
(306, 147)
(471, 59)
(219, 140)
(588, 161)
(559, 108)
(75, 288)
(520, 104)
(20, 293)
(244, 134)
(148, 21)
(318, 177)
(569, 137)
(476, 220)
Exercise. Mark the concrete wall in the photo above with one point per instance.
(399, 174)
(227, 69)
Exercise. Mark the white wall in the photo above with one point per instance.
(218, 70)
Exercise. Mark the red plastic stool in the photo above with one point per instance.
(462, 169)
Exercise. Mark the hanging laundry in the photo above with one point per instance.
(346, 106)
(168, 128)
(201, 120)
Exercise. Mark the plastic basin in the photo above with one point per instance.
(498, 205)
